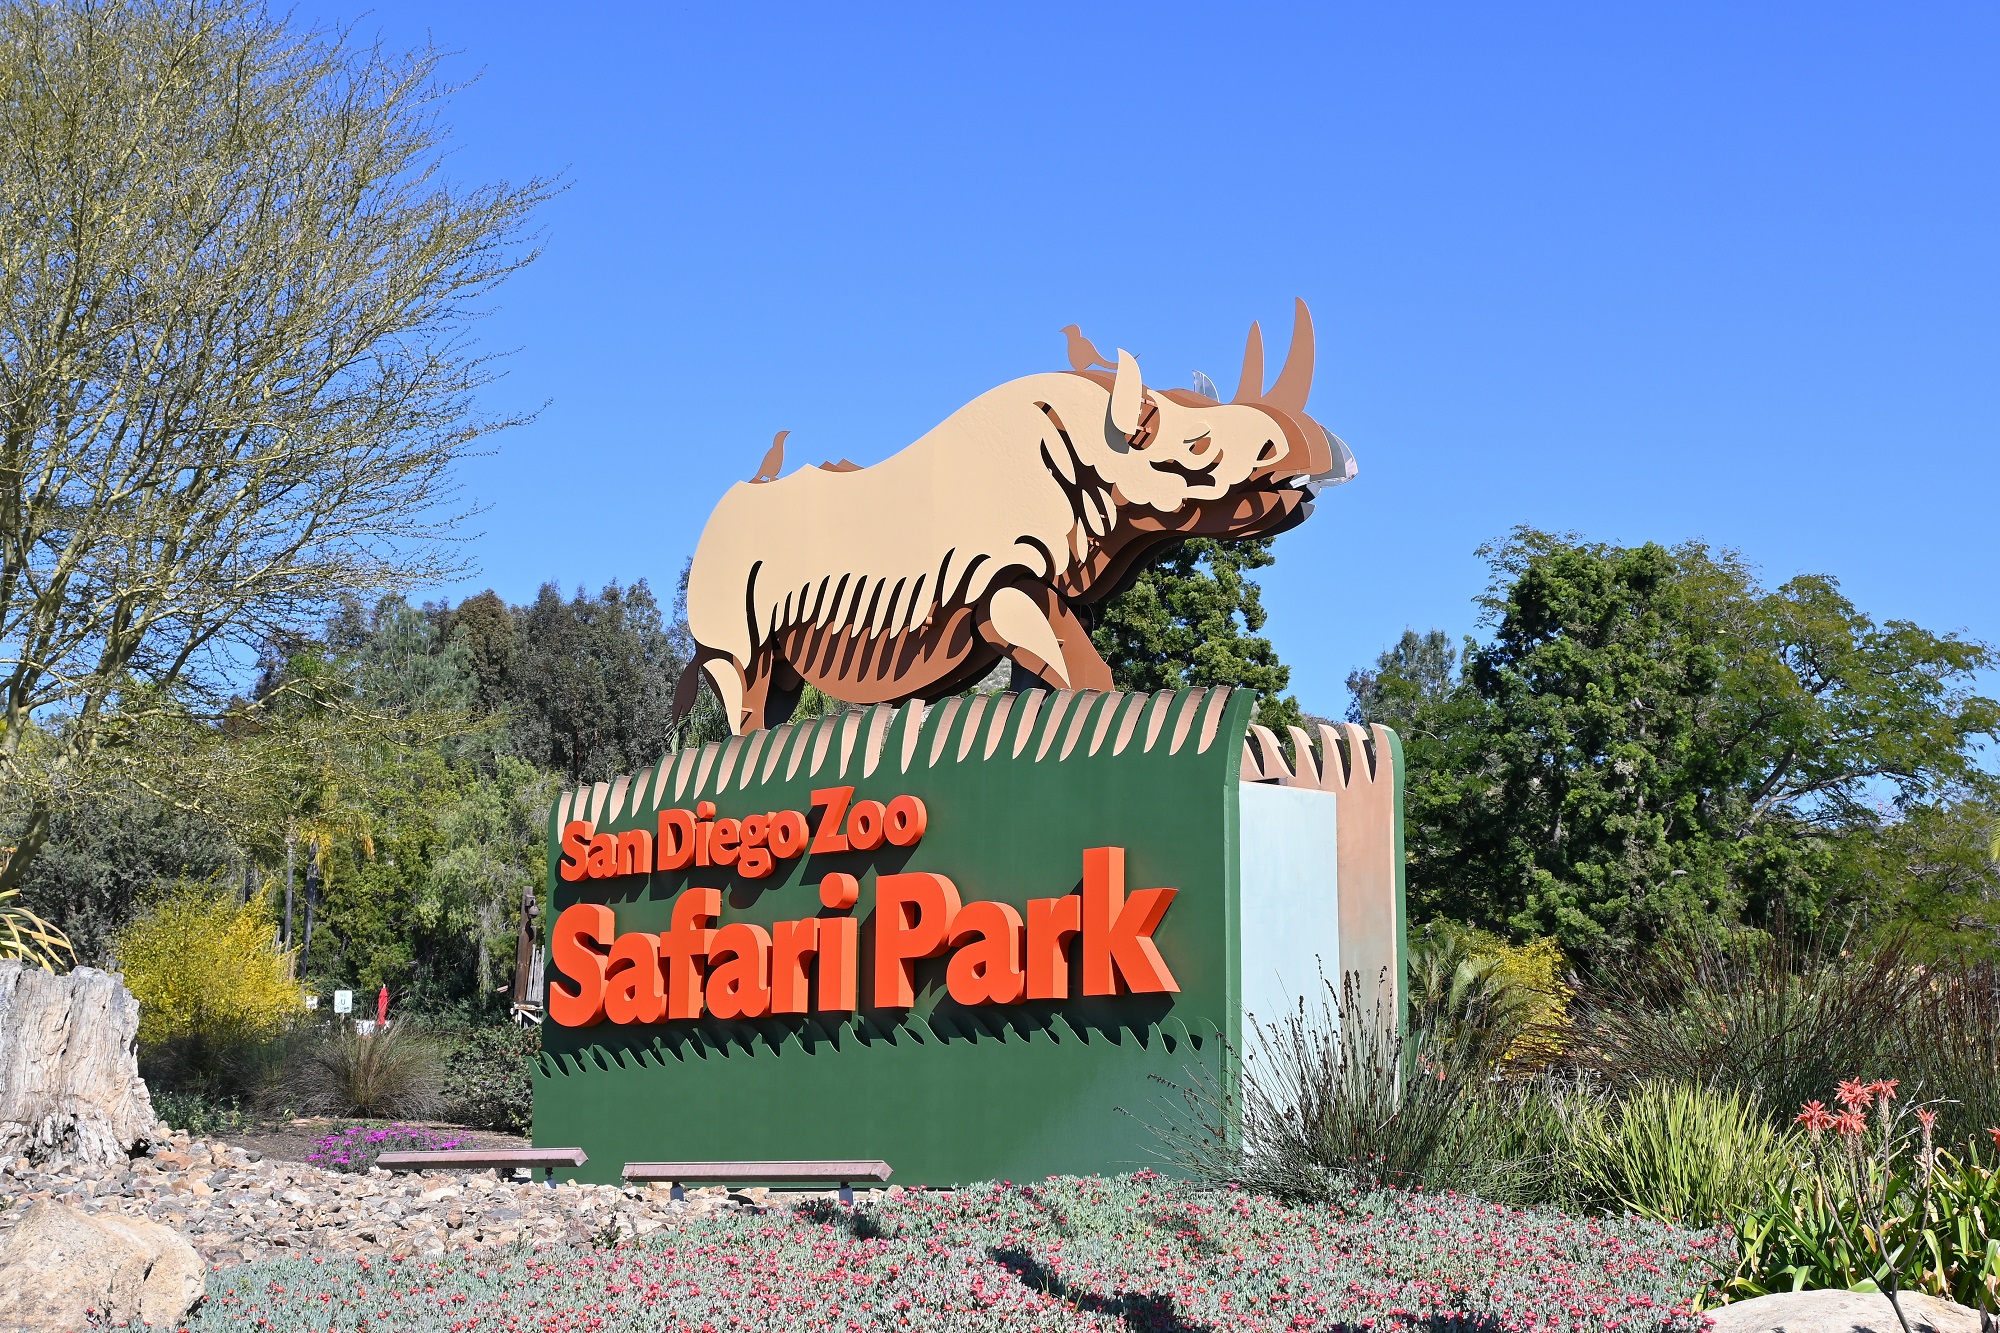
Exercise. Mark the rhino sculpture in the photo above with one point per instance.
(983, 540)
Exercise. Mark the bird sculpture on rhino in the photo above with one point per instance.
(983, 540)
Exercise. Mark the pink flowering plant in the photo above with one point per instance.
(1139, 1254)
(354, 1149)
(1877, 1206)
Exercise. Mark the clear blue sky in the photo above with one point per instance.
(1693, 271)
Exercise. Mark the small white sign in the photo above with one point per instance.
(343, 1002)
(365, 1026)
(312, 1001)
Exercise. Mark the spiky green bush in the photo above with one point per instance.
(1677, 1152)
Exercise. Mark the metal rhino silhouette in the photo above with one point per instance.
(982, 540)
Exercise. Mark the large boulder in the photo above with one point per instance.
(61, 1264)
(1843, 1312)
(69, 1067)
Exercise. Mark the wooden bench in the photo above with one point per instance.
(679, 1174)
(504, 1160)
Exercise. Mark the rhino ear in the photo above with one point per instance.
(1127, 395)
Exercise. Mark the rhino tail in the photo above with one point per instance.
(687, 689)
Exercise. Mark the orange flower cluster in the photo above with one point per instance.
(1854, 1097)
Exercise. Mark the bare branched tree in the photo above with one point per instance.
(235, 373)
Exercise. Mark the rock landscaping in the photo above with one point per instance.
(61, 1267)
(236, 1206)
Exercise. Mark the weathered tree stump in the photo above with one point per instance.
(69, 1067)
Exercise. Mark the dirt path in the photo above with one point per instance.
(293, 1140)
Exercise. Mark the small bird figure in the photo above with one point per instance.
(774, 459)
(1082, 356)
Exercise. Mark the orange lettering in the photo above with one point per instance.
(835, 800)
(1052, 923)
(634, 991)
(580, 926)
(601, 860)
(986, 965)
(838, 892)
(788, 834)
(753, 859)
(575, 846)
(722, 842)
(913, 915)
(635, 852)
(739, 986)
(1118, 948)
(839, 963)
(685, 948)
(906, 821)
(792, 943)
(676, 839)
(864, 826)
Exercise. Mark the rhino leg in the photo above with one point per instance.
(1086, 670)
(781, 687)
(1042, 636)
(1016, 625)
(727, 677)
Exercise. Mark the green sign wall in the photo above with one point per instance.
(1016, 788)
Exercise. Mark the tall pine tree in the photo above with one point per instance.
(1191, 618)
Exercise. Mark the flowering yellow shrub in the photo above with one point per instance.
(1537, 968)
(203, 964)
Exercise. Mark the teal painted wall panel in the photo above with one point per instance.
(1290, 917)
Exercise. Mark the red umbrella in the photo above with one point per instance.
(382, 1006)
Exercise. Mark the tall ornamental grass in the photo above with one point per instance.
(1332, 1099)
(395, 1073)
(1678, 1152)
(1947, 1048)
(1760, 1018)
(1782, 1023)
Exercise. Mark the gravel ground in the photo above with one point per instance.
(238, 1205)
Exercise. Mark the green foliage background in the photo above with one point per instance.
(1191, 618)
(1651, 738)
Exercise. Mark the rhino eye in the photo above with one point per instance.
(1268, 452)
(1199, 445)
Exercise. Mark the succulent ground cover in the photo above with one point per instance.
(1138, 1253)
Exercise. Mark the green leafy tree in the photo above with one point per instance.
(106, 855)
(1191, 618)
(485, 626)
(1409, 683)
(1650, 735)
(489, 855)
(1929, 877)
(593, 684)
(234, 370)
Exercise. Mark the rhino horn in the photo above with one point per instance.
(1128, 395)
(1296, 379)
(1250, 387)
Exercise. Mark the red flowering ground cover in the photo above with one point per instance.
(1138, 1253)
